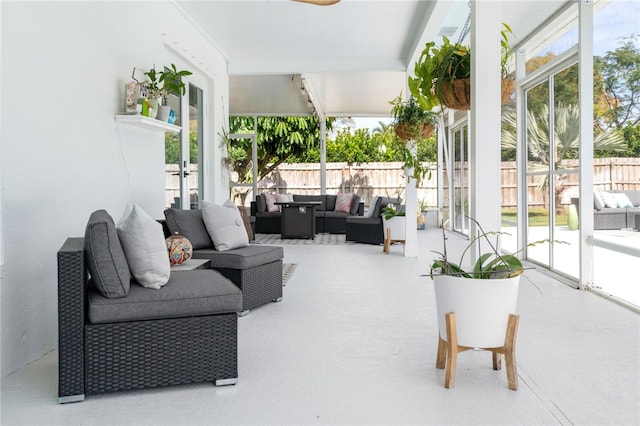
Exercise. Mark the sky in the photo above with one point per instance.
(616, 19)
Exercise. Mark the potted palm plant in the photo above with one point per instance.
(443, 74)
(162, 84)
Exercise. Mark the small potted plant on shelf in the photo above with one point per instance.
(443, 74)
(162, 84)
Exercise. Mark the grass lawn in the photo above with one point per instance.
(537, 216)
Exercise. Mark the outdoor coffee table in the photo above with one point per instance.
(298, 219)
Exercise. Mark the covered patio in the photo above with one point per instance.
(355, 344)
(354, 340)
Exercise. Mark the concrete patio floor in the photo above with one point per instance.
(354, 343)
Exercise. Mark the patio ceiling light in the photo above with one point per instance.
(319, 2)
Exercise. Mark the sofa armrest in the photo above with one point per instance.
(72, 305)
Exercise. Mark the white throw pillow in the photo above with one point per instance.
(622, 201)
(144, 247)
(609, 200)
(224, 225)
(371, 207)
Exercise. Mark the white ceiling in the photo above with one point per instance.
(353, 55)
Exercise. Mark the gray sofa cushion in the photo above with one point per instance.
(188, 293)
(189, 224)
(241, 258)
(331, 214)
(307, 198)
(261, 204)
(330, 203)
(355, 204)
(106, 261)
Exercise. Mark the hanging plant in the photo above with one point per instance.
(443, 74)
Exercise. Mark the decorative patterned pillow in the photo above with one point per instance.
(271, 199)
(283, 198)
(343, 202)
(225, 226)
(143, 243)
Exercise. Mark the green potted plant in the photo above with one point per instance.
(393, 225)
(412, 123)
(476, 306)
(443, 74)
(162, 84)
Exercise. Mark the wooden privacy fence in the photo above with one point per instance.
(370, 179)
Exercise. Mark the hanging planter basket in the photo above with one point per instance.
(456, 94)
(406, 131)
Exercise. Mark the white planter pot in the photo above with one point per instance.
(482, 308)
(397, 226)
(163, 113)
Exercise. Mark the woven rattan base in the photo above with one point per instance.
(148, 354)
(259, 285)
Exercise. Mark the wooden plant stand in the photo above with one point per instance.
(448, 352)
(388, 241)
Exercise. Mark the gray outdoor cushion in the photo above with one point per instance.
(261, 204)
(330, 214)
(307, 198)
(188, 293)
(355, 204)
(241, 258)
(633, 195)
(106, 261)
(330, 204)
(189, 224)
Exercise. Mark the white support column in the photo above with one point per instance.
(585, 90)
(411, 211)
(254, 156)
(521, 150)
(484, 129)
(323, 153)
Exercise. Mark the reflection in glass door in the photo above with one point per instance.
(553, 142)
(183, 152)
(460, 180)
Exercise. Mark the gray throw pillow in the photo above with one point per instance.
(143, 242)
(106, 261)
(261, 204)
(225, 225)
(189, 224)
(355, 204)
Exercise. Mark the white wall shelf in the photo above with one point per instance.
(147, 123)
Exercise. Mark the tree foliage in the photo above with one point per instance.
(620, 71)
(278, 138)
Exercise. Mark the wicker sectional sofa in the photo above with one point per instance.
(115, 335)
(327, 219)
(256, 269)
(613, 217)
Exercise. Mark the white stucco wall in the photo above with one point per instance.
(64, 66)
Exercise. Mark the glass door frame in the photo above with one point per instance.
(544, 75)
